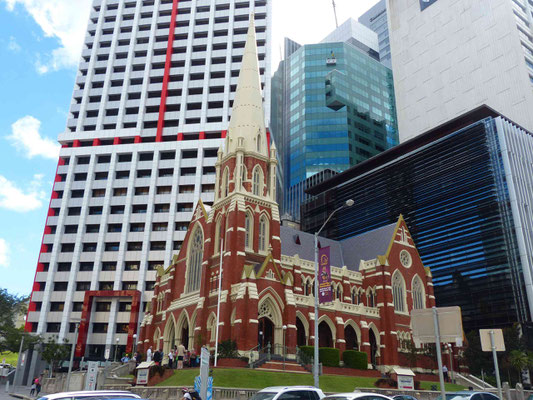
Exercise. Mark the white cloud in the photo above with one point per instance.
(4, 253)
(25, 136)
(65, 20)
(13, 45)
(16, 199)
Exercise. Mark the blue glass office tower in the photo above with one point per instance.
(467, 197)
(332, 107)
(376, 19)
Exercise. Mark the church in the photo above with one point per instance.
(268, 269)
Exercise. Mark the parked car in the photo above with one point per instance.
(357, 396)
(289, 393)
(470, 395)
(91, 394)
(403, 397)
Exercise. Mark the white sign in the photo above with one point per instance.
(204, 371)
(450, 325)
(484, 335)
(406, 382)
(92, 375)
(526, 378)
(107, 352)
(142, 376)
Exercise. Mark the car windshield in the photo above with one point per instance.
(264, 396)
(335, 398)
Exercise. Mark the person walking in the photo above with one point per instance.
(33, 387)
(171, 359)
(149, 354)
(445, 372)
(37, 387)
(181, 353)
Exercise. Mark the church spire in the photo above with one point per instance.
(247, 118)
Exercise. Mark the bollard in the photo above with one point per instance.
(507, 391)
(7, 386)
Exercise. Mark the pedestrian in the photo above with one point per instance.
(181, 353)
(158, 356)
(193, 358)
(445, 372)
(37, 387)
(149, 354)
(185, 392)
(170, 359)
(33, 387)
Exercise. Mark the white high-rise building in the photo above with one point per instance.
(150, 107)
(452, 56)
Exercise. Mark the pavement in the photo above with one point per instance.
(20, 392)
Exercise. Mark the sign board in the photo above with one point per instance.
(425, 4)
(325, 292)
(450, 325)
(198, 387)
(406, 382)
(204, 372)
(484, 335)
(143, 371)
(107, 353)
(23, 359)
(92, 375)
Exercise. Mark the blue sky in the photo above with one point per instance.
(40, 42)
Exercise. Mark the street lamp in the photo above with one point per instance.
(134, 344)
(116, 348)
(450, 349)
(284, 330)
(77, 326)
(260, 340)
(348, 203)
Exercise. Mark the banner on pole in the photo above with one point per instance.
(325, 294)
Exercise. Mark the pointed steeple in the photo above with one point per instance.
(247, 117)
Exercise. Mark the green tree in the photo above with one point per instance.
(413, 353)
(518, 360)
(10, 307)
(54, 353)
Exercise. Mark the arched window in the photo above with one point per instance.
(225, 183)
(263, 233)
(359, 295)
(257, 183)
(259, 143)
(418, 293)
(195, 258)
(217, 234)
(243, 176)
(339, 293)
(370, 298)
(305, 286)
(249, 227)
(398, 292)
(354, 295)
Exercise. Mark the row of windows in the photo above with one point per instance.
(102, 285)
(102, 306)
(135, 209)
(139, 191)
(141, 173)
(54, 327)
(115, 246)
(105, 266)
(149, 3)
(144, 156)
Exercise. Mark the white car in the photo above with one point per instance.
(88, 394)
(357, 396)
(289, 393)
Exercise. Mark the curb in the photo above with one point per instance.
(21, 396)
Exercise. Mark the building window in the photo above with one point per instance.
(257, 181)
(418, 293)
(263, 233)
(196, 255)
(354, 296)
(248, 225)
(398, 292)
(217, 234)
(258, 143)
(224, 189)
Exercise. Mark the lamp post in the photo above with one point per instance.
(116, 348)
(77, 326)
(450, 349)
(260, 340)
(348, 203)
(284, 330)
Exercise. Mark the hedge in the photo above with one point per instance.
(328, 356)
(355, 359)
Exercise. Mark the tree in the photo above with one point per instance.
(10, 307)
(55, 353)
(519, 360)
(413, 353)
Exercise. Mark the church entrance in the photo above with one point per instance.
(300, 333)
(350, 336)
(373, 347)
(325, 338)
(185, 335)
(266, 332)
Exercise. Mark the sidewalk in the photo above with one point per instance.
(20, 392)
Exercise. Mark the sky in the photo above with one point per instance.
(40, 44)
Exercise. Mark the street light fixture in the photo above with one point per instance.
(134, 344)
(116, 348)
(284, 352)
(77, 326)
(348, 203)
(450, 350)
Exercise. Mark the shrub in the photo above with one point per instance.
(386, 383)
(228, 349)
(355, 359)
(156, 369)
(329, 356)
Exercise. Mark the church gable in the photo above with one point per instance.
(268, 270)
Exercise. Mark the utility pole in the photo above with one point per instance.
(335, 13)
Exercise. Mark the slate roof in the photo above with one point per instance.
(349, 252)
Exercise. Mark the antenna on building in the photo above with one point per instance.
(335, 12)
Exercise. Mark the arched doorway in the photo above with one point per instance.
(185, 334)
(350, 336)
(373, 347)
(301, 339)
(265, 332)
(325, 338)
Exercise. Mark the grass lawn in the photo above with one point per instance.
(11, 358)
(251, 379)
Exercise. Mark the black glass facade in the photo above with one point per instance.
(453, 193)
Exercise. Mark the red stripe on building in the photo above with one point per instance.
(168, 62)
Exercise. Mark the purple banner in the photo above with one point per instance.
(325, 294)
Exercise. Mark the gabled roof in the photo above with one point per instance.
(349, 252)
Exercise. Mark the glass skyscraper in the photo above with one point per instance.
(466, 197)
(376, 19)
(332, 107)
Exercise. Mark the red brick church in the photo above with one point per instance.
(268, 269)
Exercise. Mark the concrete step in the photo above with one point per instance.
(278, 366)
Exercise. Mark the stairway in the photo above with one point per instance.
(277, 366)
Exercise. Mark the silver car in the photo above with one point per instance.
(88, 394)
(356, 396)
(470, 395)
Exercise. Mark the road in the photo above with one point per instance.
(24, 390)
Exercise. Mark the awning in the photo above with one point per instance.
(403, 371)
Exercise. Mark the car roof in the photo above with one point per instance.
(88, 393)
(278, 388)
(357, 394)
